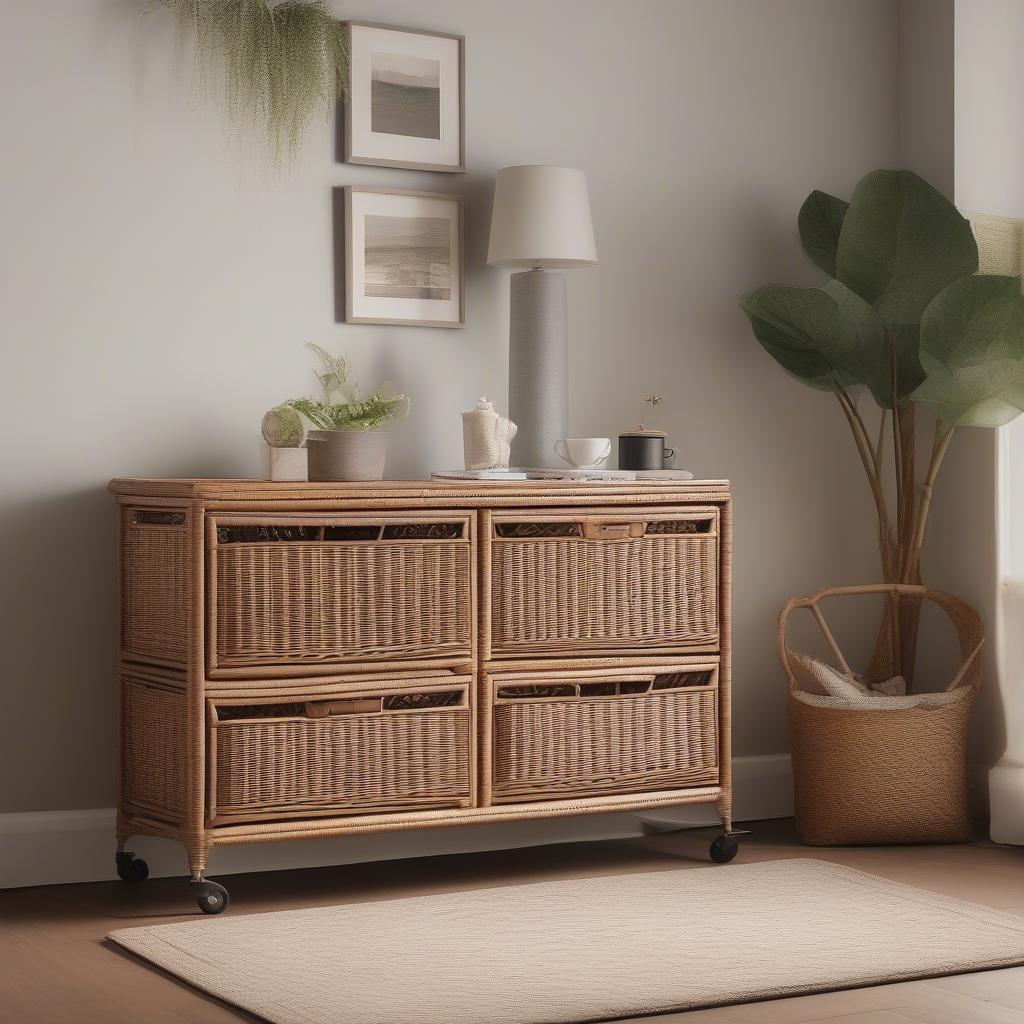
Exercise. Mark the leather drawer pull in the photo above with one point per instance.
(613, 531)
(355, 706)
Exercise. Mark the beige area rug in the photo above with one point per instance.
(585, 949)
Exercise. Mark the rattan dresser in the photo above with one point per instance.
(305, 660)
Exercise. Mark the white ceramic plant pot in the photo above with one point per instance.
(285, 463)
(347, 454)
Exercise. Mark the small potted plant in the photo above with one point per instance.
(346, 440)
(284, 449)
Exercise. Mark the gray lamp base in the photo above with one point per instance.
(538, 367)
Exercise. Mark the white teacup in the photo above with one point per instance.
(583, 452)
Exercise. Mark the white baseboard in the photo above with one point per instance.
(52, 847)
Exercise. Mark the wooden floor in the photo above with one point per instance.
(55, 965)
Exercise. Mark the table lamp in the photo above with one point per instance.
(540, 220)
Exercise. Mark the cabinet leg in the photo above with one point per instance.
(724, 808)
(198, 853)
(727, 845)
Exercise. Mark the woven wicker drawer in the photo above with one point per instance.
(154, 585)
(603, 582)
(590, 733)
(153, 748)
(367, 748)
(322, 592)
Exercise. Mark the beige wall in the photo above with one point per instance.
(157, 288)
(926, 89)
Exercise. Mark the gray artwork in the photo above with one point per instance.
(405, 95)
(408, 257)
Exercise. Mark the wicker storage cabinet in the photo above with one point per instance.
(307, 660)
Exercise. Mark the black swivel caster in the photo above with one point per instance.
(131, 868)
(211, 897)
(724, 848)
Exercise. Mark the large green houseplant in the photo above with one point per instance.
(906, 319)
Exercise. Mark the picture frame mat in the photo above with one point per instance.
(359, 308)
(363, 146)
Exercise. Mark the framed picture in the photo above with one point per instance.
(406, 99)
(403, 257)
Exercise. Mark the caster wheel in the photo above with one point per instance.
(724, 849)
(131, 868)
(211, 898)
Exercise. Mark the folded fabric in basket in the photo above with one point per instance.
(824, 686)
(873, 701)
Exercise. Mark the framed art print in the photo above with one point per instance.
(405, 103)
(403, 258)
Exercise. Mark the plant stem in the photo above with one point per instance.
(897, 436)
(867, 458)
(880, 443)
(912, 557)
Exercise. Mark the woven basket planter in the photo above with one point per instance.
(883, 776)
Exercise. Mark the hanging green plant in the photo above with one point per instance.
(281, 65)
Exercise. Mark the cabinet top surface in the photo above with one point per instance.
(267, 490)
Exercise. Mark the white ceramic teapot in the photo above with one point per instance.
(486, 437)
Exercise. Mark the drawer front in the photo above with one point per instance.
(339, 590)
(602, 582)
(366, 749)
(154, 741)
(573, 734)
(156, 573)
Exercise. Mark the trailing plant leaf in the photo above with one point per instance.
(280, 65)
(972, 350)
(902, 241)
(820, 220)
(822, 336)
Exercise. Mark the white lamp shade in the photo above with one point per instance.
(541, 218)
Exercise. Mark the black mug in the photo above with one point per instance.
(643, 451)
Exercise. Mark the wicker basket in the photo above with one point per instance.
(883, 776)
(594, 582)
(338, 590)
(370, 748)
(590, 733)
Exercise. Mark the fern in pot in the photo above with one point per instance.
(347, 439)
(906, 320)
